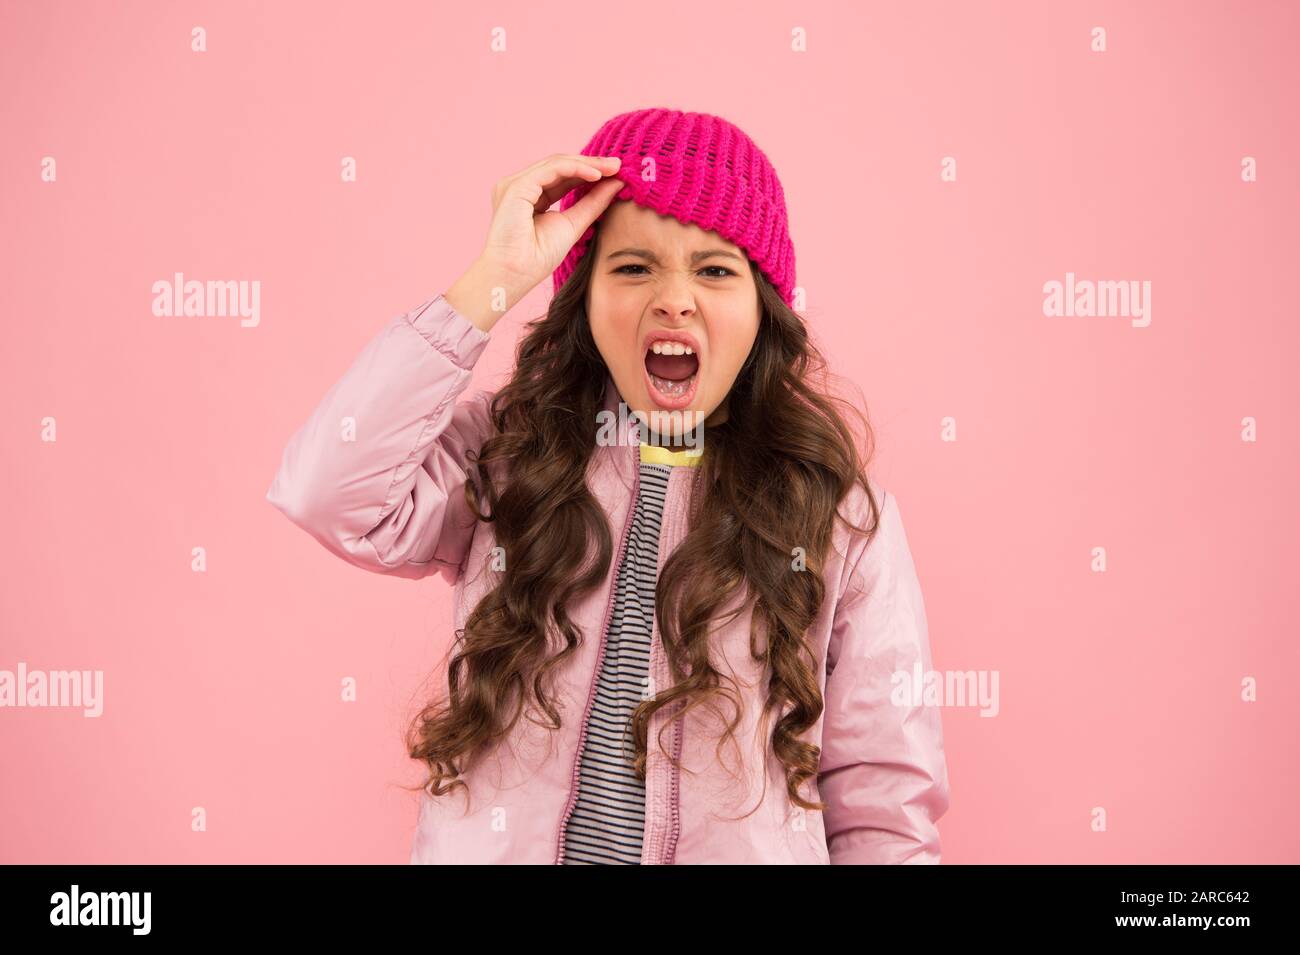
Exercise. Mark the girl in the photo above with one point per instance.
(680, 603)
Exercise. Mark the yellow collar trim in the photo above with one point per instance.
(655, 454)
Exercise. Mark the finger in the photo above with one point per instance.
(555, 173)
(589, 208)
(557, 191)
(546, 199)
(605, 163)
(555, 181)
(549, 183)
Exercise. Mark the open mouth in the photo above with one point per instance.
(672, 372)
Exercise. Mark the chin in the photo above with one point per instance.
(676, 421)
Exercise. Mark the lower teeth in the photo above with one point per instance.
(671, 389)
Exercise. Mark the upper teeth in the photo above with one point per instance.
(671, 348)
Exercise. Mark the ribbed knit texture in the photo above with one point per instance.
(706, 171)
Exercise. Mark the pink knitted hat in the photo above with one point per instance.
(705, 171)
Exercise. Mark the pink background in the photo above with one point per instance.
(1118, 690)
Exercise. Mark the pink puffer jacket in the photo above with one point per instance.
(390, 499)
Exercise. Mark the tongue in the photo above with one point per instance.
(672, 367)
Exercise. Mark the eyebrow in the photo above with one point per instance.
(695, 256)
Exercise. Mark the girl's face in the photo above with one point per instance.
(659, 283)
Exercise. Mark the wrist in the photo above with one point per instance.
(483, 294)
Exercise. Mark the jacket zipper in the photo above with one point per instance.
(670, 844)
(674, 799)
(600, 653)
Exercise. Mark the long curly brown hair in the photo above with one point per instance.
(772, 481)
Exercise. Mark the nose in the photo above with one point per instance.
(674, 307)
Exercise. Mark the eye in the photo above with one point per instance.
(726, 272)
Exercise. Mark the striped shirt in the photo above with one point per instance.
(608, 819)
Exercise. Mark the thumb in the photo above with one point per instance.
(589, 208)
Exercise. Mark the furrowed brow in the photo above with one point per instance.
(654, 259)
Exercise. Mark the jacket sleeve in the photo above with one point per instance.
(883, 775)
(377, 473)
